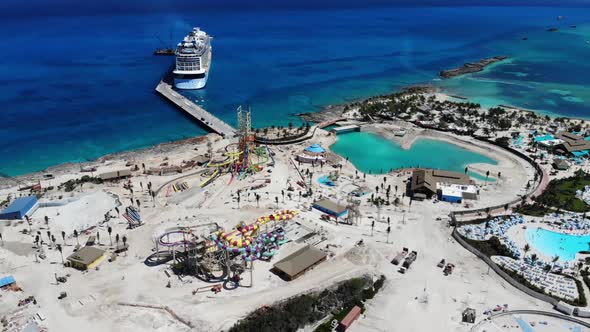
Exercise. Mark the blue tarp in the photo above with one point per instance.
(19, 207)
(8, 280)
(315, 148)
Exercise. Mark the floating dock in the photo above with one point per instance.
(346, 129)
(207, 119)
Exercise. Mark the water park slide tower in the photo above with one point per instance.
(246, 138)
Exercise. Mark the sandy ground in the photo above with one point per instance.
(94, 297)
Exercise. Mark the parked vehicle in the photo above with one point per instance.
(441, 263)
(399, 257)
(410, 259)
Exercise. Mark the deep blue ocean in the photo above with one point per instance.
(74, 88)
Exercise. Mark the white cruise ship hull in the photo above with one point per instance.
(184, 83)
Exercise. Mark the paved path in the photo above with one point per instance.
(207, 119)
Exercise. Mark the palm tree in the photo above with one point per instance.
(554, 260)
(258, 200)
(63, 237)
(76, 236)
(372, 226)
(110, 230)
(117, 239)
(125, 243)
(388, 231)
(506, 208)
(61, 253)
(534, 258)
(487, 175)
(1, 239)
(46, 220)
(97, 237)
(277, 201)
(283, 193)
(526, 249)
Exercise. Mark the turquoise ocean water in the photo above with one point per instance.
(371, 153)
(77, 87)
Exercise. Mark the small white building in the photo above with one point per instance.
(582, 312)
(456, 192)
(564, 308)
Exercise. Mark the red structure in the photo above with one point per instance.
(347, 321)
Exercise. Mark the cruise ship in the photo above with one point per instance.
(193, 60)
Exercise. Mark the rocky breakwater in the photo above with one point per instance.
(471, 67)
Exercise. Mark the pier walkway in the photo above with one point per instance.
(207, 119)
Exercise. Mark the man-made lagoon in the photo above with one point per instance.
(371, 153)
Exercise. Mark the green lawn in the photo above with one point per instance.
(561, 193)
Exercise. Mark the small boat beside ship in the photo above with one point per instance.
(164, 51)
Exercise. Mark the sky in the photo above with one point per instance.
(61, 7)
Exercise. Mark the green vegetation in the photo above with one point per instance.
(561, 193)
(296, 312)
(70, 185)
(535, 210)
(581, 301)
(491, 247)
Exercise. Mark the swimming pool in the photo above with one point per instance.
(325, 180)
(544, 138)
(551, 243)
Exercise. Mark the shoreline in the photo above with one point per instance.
(104, 160)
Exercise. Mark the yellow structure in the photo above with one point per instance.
(86, 258)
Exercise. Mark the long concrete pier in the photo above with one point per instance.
(207, 119)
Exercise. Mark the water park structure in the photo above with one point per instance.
(216, 256)
(239, 155)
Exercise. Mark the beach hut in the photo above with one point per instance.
(20, 207)
(327, 206)
(114, 175)
(86, 258)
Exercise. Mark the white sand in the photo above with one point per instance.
(400, 305)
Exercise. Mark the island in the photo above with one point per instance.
(471, 67)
